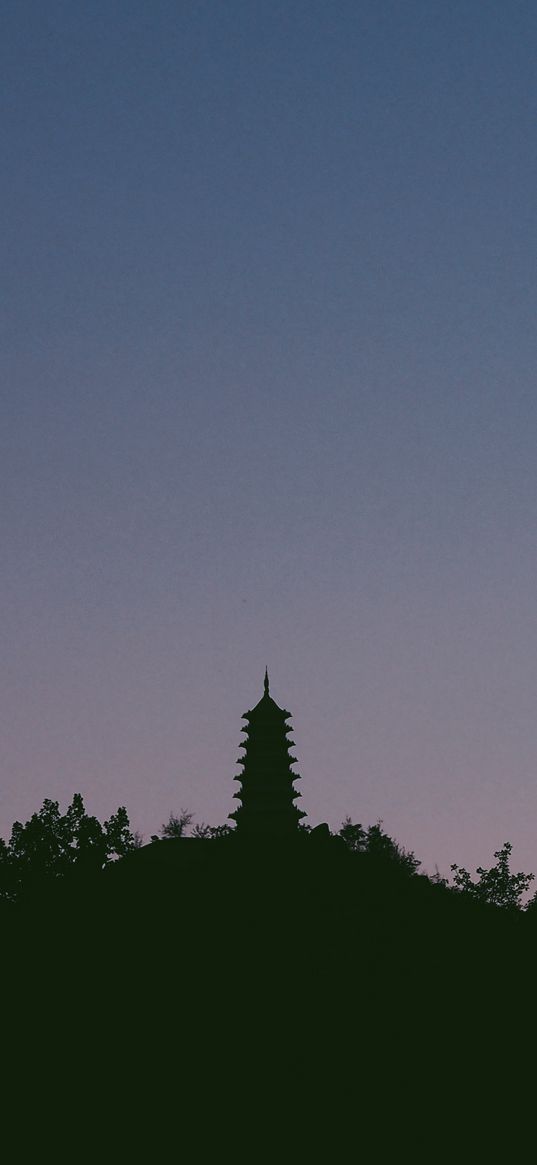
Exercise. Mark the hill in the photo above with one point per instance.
(272, 974)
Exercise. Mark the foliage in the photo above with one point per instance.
(176, 826)
(210, 832)
(531, 905)
(497, 886)
(353, 834)
(117, 833)
(202, 831)
(49, 845)
(375, 842)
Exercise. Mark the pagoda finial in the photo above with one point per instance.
(266, 684)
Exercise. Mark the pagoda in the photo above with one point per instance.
(266, 792)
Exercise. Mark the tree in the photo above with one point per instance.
(497, 886)
(6, 873)
(202, 831)
(375, 842)
(210, 832)
(353, 834)
(49, 845)
(176, 826)
(383, 847)
(117, 834)
(38, 847)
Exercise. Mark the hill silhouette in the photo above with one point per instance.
(300, 962)
(289, 990)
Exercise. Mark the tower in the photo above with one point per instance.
(266, 792)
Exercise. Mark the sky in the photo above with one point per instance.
(268, 397)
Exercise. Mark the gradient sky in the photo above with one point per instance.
(268, 369)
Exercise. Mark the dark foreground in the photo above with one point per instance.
(272, 1001)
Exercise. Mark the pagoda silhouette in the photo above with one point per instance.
(266, 792)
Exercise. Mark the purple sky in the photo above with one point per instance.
(268, 362)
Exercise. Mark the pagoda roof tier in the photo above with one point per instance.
(266, 706)
(267, 788)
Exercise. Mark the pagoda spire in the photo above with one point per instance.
(266, 794)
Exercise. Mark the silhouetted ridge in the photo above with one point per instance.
(266, 791)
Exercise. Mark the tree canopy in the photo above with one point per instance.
(377, 843)
(51, 844)
(497, 886)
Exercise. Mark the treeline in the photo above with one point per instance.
(52, 845)
(314, 972)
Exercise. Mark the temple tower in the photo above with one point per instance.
(266, 792)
